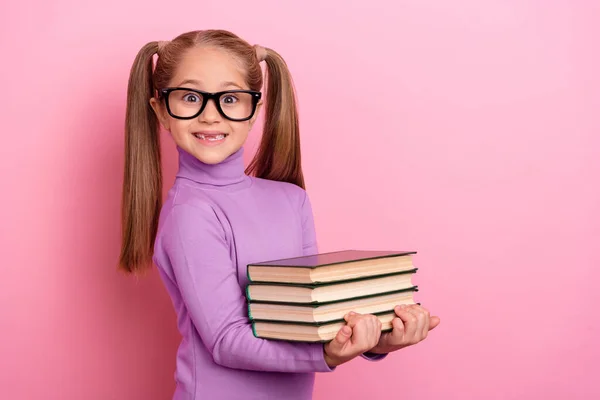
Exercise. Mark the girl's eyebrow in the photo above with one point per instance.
(198, 83)
(192, 81)
(228, 84)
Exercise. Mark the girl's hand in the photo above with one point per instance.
(361, 333)
(410, 327)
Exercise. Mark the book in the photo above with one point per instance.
(298, 332)
(331, 291)
(328, 312)
(331, 267)
(306, 298)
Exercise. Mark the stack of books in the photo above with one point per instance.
(305, 298)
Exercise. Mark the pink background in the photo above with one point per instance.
(467, 130)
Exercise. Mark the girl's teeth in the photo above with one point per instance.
(210, 138)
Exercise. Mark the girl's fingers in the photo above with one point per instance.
(398, 309)
(366, 329)
(342, 336)
(349, 316)
(376, 330)
(423, 321)
(371, 328)
(352, 318)
(410, 323)
(398, 333)
(419, 319)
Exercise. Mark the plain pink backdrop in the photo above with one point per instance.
(467, 130)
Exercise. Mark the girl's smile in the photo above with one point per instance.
(210, 138)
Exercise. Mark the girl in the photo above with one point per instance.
(205, 90)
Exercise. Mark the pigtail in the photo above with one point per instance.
(142, 183)
(278, 156)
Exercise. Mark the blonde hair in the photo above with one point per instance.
(277, 158)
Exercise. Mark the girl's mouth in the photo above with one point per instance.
(211, 137)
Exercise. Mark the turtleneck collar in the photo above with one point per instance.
(229, 172)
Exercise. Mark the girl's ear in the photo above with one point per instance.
(253, 119)
(160, 112)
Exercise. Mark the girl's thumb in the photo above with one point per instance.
(343, 335)
(433, 322)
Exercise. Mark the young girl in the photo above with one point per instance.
(217, 218)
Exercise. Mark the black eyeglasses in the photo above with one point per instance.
(235, 105)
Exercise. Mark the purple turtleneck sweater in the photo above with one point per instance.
(215, 221)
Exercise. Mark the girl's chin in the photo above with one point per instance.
(211, 155)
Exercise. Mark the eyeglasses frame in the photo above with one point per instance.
(206, 96)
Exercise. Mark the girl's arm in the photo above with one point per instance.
(193, 241)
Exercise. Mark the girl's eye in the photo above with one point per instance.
(229, 99)
(191, 98)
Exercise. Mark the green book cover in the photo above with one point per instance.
(315, 304)
(323, 284)
(319, 323)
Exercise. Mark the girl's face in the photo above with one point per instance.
(210, 137)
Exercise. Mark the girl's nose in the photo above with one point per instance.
(210, 113)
